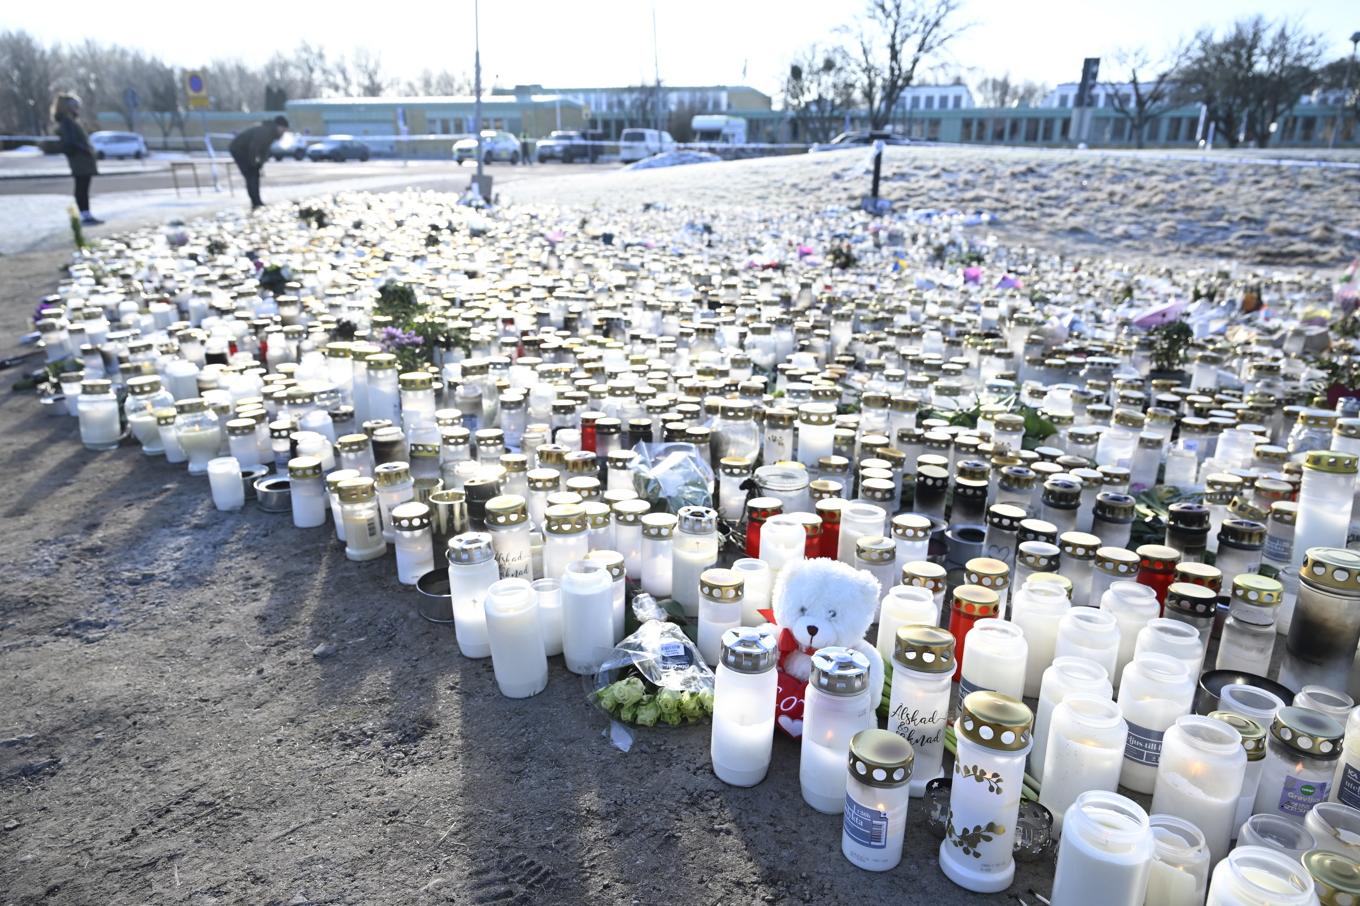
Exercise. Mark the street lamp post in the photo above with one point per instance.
(477, 85)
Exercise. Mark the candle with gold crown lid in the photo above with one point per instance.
(720, 609)
(877, 795)
(1078, 551)
(970, 604)
(1037, 609)
(1325, 628)
(918, 710)
(993, 733)
(930, 576)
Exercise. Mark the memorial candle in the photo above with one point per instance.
(1107, 846)
(1084, 751)
(1155, 691)
(518, 658)
(918, 710)
(1199, 778)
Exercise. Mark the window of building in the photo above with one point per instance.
(966, 129)
(1173, 129)
(930, 102)
(915, 102)
(1031, 130)
(1064, 128)
(1013, 131)
(958, 101)
(1306, 127)
(1047, 130)
(933, 130)
(1064, 100)
(1118, 129)
(998, 130)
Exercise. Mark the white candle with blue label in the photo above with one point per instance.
(1156, 690)
(876, 798)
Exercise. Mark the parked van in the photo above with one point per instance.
(636, 144)
(718, 129)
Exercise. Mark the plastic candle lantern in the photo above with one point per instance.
(1113, 519)
(307, 492)
(197, 428)
(1253, 737)
(930, 576)
(984, 801)
(1336, 877)
(363, 526)
(1325, 501)
(1346, 783)
(999, 543)
(918, 710)
(507, 521)
(1248, 638)
(1157, 567)
(837, 706)
(1325, 627)
(1193, 605)
(911, 534)
(1113, 564)
(1154, 692)
(145, 396)
(830, 512)
(518, 657)
(816, 431)
(1200, 776)
(1257, 876)
(414, 541)
(658, 530)
(903, 605)
(1187, 530)
(782, 541)
(777, 445)
(695, 549)
(1179, 875)
(564, 538)
(971, 603)
(1061, 501)
(1078, 564)
(1066, 676)
(395, 485)
(932, 483)
(613, 561)
(732, 471)
(720, 594)
(876, 799)
(472, 570)
(587, 615)
(99, 421)
(1172, 638)
(857, 520)
(628, 533)
(600, 526)
(1132, 605)
(1240, 543)
(744, 689)
(758, 510)
(224, 479)
(994, 659)
(877, 556)
(1334, 826)
(1302, 751)
(548, 602)
(1037, 609)
(1107, 846)
(1034, 557)
(1083, 751)
(1089, 633)
(165, 424)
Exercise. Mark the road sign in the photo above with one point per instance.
(130, 99)
(196, 90)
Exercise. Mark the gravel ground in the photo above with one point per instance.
(207, 708)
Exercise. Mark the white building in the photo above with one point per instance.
(1065, 95)
(935, 97)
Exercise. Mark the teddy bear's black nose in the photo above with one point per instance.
(812, 631)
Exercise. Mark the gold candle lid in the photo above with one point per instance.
(721, 585)
(1117, 560)
(1191, 599)
(1336, 877)
(911, 527)
(610, 560)
(987, 572)
(564, 519)
(658, 525)
(506, 510)
(881, 758)
(355, 490)
(1331, 461)
(1253, 734)
(1307, 732)
(1078, 545)
(304, 467)
(995, 721)
(924, 574)
(1258, 591)
(1334, 568)
(976, 601)
(925, 648)
(391, 473)
(410, 516)
(630, 512)
(873, 549)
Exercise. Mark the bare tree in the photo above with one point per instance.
(1249, 77)
(1152, 85)
(236, 86)
(1000, 91)
(27, 73)
(438, 84)
(369, 80)
(819, 91)
(892, 38)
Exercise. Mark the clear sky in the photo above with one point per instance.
(609, 42)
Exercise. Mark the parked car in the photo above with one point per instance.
(565, 145)
(118, 144)
(291, 145)
(338, 148)
(860, 138)
(496, 145)
(636, 144)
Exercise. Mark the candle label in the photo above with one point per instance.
(1298, 797)
(1144, 746)
(866, 826)
(966, 688)
(1349, 793)
(916, 727)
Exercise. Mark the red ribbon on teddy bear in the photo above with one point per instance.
(790, 690)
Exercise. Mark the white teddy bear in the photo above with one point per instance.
(820, 603)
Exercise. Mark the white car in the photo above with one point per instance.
(118, 144)
(636, 144)
(496, 145)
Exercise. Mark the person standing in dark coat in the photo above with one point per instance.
(250, 149)
(75, 144)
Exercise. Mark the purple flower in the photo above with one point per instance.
(394, 338)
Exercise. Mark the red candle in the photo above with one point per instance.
(758, 509)
(1157, 568)
(971, 603)
(830, 511)
(588, 430)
